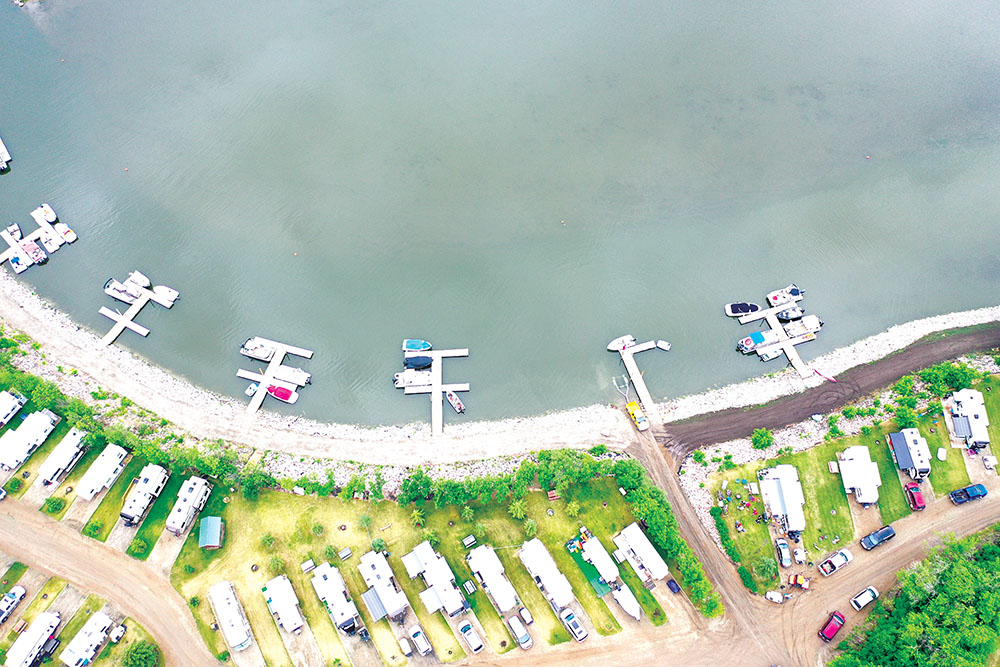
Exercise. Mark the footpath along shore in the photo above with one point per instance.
(207, 415)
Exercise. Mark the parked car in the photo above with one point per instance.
(832, 626)
(9, 602)
(974, 492)
(784, 553)
(404, 646)
(864, 598)
(673, 586)
(915, 496)
(573, 624)
(835, 562)
(471, 637)
(117, 634)
(637, 415)
(420, 640)
(880, 536)
(525, 615)
(520, 632)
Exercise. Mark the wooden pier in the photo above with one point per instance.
(436, 389)
(124, 321)
(635, 376)
(268, 379)
(786, 343)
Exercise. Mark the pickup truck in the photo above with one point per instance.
(835, 562)
(974, 492)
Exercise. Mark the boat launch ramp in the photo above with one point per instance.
(628, 348)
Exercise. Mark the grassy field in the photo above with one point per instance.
(12, 576)
(89, 606)
(290, 519)
(111, 505)
(113, 654)
(950, 474)
(991, 396)
(826, 509)
(37, 457)
(891, 499)
(72, 480)
(156, 518)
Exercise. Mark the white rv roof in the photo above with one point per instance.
(599, 557)
(330, 588)
(441, 592)
(970, 403)
(484, 560)
(10, 405)
(17, 445)
(782, 493)
(83, 647)
(141, 495)
(191, 492)
(103, 472)
(377, 574)
(860, 474)
(62, 455)
(633, 539)
(539, 563)
(26, 647)
(283, 603)
(230, 615)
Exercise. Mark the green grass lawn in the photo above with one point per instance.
(111, 505)
(113, 654)
(36, 459)
(891, 499)
(950, 474)
(12, 576)
(826, 509)
(991, 396)
(89, 606)
(156, 518)
(72, 480)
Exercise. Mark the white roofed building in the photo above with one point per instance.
(860, 474)
(102, 473)
(63, 458)
(191, 499)
(18, 444)
(230, 615)
(970, 419)
(441, 594)
(283, 603)
(152, 478)
(27, 648)
(10, 404)
(384, 597)
(485, 564)
(332, 591)
(641, 554)
(595, 554)
(782, 494)
(84, 645)
(553, 583)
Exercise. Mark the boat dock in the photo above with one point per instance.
(124, 321)
(436, 389)
(786, 343)
(628, 353)
(45, 235)
(4, 156)
(269, 377)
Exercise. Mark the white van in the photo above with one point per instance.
(520, 632)
(404, 646)
(420, 640)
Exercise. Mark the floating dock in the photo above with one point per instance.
(436, 389)
(4, 156)
(124, 321)
(269, 376)
(628, 353)
(786, 343)
(45, 235)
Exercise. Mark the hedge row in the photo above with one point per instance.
(727, 540)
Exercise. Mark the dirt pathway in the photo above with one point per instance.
(167, 549)
(56, 549)
(302, 648)
(37, 493)
(81, 510)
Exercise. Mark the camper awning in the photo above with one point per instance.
(374, 604)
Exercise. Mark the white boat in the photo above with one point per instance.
(790, 314)
(663, 345)
(67, 233)
(411, 378)
(4, 157)
(622, 342)
(740, 308)
(416, 345)
(34, 253)
(455, 401)
(166, 293)
(293, 375)
(785, 295)
(808, 324)
(257, 348)
(283, 393)
(122, 291)
(252, 389)
(14, 230)
(50, 215)
(770, 353)
(139, 279)
(757, 339)
(50, 241)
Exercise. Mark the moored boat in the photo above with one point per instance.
(50, 215)
(808, 324)
(416, 345)
(256, 348)
(166, 293)
(411, 378)
(418, 363)
(784, 295)
(790, 314)
(50, 241)
(14, 230)
(35, 254)
(121, 291)
(741, 308)
(622, 342)
(663, 345)
(757, 339)
(139, 279)
(455, 401)
(292, 374)
(19, 264)
(252, 389)
(283, 393)
(67, 233)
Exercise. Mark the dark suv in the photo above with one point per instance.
(883, 534)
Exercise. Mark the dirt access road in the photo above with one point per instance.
(684, 437)
(48, 546)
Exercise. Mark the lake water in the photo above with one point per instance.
(529, 180)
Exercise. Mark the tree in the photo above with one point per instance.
(572, 509)
(517, 509)
(468, 514)
(416, 486)
(378, 544)
(317, 529)
(93, 529)
(46, 396)
(54, 505)
(141, 654)
(530, 528)
(194, 601)
(138, 547)
(276, 565)
(479, 530)
(365, 521)
(417, 517)
(432, 537)
(761, 438)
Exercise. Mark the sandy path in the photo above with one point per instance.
(55, 549)
(167, 549)
(303, 647)
(67, 602)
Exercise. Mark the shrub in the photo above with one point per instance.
(329, 552)
(698, 457)
(276, 565)
(378, 544)
(14, 485)
(194, 601)
(93, 529)
(517, 509)
(850, 412)
(747, 578)
(432, 537)
(530, 528)
(598, 450)
(317, 529)
(572, 509)
(141, 654)
(905, 417)
(138, 547)
(468, 514)
(479, 530)
(727, 540)
(416, 486)
(188, 568)
(417, 517)
(267, 541)
(54, 505)
(761, 438)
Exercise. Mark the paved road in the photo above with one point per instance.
(682, 438)
(95, 568)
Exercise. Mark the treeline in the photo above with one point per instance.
(946, 611)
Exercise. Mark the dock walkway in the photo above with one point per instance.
(124, 321)
(635, 375)
(436, 388)
(785, 342)
(45, 231)
(268, 377)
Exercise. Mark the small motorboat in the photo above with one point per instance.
(252, 389)
(14, 230)
(50, 240)
(790, 314)
(122, 291)
(758, 339)
(455, 401)
(50, 215)
(741, 308)
(416, 345)
(784, 295)
(293, 375)
(166, 293)
(257, 348)
(622, 342)
(411, 378)
(663, 345)
(808, 324)
(34, 253)
(283, 393)
(139, 279)
(18, 264)
(418, 363)
(67, 233)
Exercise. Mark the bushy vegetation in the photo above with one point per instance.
(948, 377)
(747, 578)
(141, 654)
(727, 540)
(761, 438)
